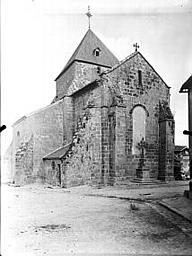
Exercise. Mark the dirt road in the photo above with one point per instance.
(42, 221)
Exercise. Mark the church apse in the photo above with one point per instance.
(109, 113)
(136, 89)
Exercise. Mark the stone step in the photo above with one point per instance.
(135, 182)
(147, 181)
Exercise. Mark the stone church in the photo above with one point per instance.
(110, 122)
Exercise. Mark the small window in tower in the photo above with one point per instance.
(140, 77)
(53, 165)
(96, 52)
(18, 134)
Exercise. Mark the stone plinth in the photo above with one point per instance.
(143, 175)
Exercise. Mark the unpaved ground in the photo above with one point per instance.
(38, 221)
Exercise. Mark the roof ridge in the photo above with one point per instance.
(121, 62)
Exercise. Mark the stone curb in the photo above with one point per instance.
(167, 206)
(142, 200)
(117, 197)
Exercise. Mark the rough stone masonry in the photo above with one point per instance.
(90, 132)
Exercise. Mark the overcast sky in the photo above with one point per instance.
(39, 36)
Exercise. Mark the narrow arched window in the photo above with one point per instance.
(140, 77)
(139, 124)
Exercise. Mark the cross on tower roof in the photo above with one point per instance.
(136, 46)
(89, 15)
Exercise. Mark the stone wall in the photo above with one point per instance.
(68, 123)
(64, 81)
(24, 163)
(81, 165)
(120, 144)
(112, 101)
(46, 126)
(98, 120)
(166, 150)
(76, 77)
(166, 142)
(52, 175)
(125, 88)
(6, 165)
(86, 99)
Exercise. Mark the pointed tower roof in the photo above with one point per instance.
(91, 50)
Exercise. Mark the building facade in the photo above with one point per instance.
(181, 165)
(109, 122)
(187, 88)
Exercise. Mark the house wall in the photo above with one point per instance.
(185, 163)
(190, 128)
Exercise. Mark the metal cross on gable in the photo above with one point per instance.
(89, 15)
(136, 46)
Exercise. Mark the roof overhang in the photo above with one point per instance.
(180, 148)
(81, 61)
(187, 86)
(59, 153)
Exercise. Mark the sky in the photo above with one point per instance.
(39, 36)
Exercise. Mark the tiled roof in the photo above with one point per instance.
(85, 52)
(58, 153)
(187, 85)
(180, 148)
